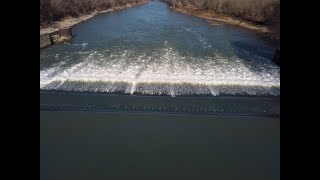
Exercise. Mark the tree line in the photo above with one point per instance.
(52, 10)
(259, 11)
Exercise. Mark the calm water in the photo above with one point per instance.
(101, 116)
(91, 145)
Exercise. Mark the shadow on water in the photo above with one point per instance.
(257, 58)
(251, 50)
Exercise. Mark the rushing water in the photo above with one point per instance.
(101, 116)
(153, 50)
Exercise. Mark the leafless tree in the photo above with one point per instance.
(52, 10)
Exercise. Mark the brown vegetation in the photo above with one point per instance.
(256, 12)
(53, 10)
(259, 11)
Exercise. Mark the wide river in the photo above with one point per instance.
(150, 93)
(151, 49)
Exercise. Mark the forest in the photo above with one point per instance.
(258, 11)
(53, 10)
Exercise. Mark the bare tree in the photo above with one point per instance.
(52, 10)
(260, 11)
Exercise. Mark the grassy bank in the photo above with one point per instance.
(260, 15)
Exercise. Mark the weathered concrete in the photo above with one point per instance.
(45, 41)
(55, 38)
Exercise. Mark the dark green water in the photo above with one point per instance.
(101, 116)
(99, 136)
(91, 145)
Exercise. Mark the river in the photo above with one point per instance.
(153, 50)
(150, 93)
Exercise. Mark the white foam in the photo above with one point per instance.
(170, 70)
(83, 45)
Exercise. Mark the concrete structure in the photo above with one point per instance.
(61, 35)
(45, 40)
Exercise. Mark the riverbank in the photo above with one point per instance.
(270, 33)
(50, 34)
(68, 22)
(154, 51)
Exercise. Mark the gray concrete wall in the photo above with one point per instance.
(55, 37)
